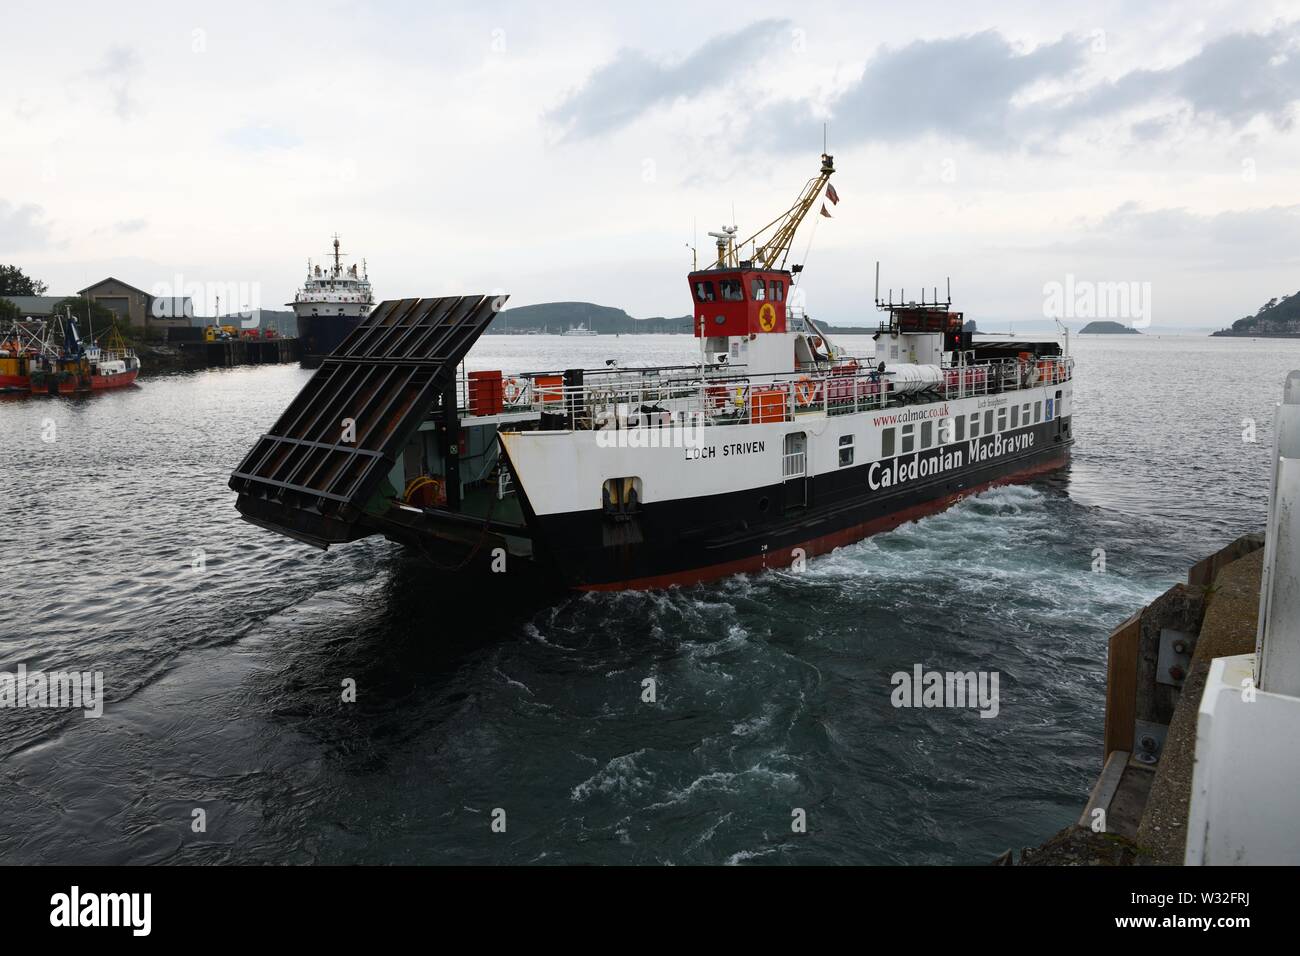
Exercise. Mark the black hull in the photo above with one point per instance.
(701, 539)
(319, 335)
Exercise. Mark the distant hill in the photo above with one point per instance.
(1108, 328)
(1276, 318)
(557, 317)
(560, 316)
(969, 326)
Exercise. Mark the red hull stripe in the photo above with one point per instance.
(120, 380)
(838, 539)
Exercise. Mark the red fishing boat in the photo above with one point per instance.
(20, 346)
(78, 367)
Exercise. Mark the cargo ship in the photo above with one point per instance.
(330, 304)
(774, 447)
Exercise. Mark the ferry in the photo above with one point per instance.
(330, 304)
(773, 447)
(580, 329)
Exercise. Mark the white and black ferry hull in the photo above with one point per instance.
(685, 538)
(704, 539)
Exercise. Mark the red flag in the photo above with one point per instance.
(824, 212)
(832, 195)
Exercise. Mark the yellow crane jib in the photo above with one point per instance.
(773, 252)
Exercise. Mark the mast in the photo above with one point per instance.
(773, 252)
(338, 267)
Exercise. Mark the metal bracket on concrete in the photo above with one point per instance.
(1148, 740)
(1174, 659)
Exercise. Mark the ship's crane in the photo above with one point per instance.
(772, 252)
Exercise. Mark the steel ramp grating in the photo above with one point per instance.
(326, 455)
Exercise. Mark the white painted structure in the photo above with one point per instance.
(335, 290)
(1245, 802)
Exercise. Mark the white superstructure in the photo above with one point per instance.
(335, 289)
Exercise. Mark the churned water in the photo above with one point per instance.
(224, 648)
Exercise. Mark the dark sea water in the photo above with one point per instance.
(224, 674)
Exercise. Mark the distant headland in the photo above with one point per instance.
(1278, 318)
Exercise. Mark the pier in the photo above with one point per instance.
(1203, 706)
(239, 352)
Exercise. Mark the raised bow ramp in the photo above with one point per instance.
(323, 465)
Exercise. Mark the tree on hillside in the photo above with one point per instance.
(8, 313)
(13, 281)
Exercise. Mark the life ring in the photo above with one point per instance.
(424, 491)
(806, 391)
(514, 390)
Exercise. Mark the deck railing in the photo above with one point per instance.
(655, 397)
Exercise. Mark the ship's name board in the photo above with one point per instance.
(725, 451)
(895, 471)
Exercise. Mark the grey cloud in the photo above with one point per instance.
(961, 86)
(1239, 238)
(117, 69)
(1234, 79)
(966, 87)
(632, 84)
(22, 227)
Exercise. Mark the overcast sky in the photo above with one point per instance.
(564, 151)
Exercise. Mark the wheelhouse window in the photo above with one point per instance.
(732, 290)
(846, 450)
(776, 290)
(909, 439)
(704, 291)
(887, 443)
(758, 290)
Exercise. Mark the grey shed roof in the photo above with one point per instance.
(35, 304)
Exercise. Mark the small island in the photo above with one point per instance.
(1108, 328)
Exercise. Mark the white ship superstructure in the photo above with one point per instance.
(331, 303)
